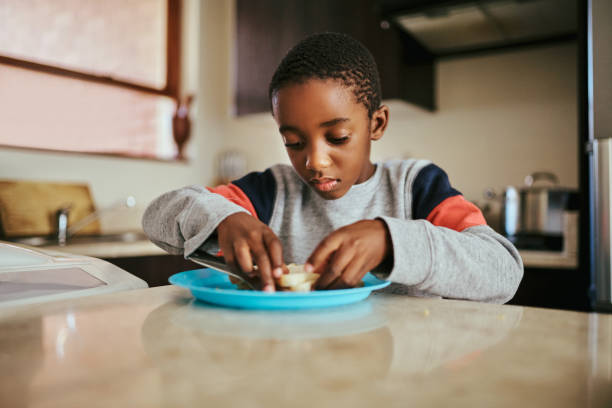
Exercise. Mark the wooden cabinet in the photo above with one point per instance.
(267, 29)
(554, 288)
(155, 269)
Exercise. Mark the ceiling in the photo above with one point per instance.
(446, 28)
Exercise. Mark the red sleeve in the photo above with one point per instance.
(456, 213)
(234, 194)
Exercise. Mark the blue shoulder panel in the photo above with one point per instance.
(430, 188)
(260, 187)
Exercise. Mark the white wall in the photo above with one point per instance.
(500, 118)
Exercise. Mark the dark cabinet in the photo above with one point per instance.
(267, 29)
(554, 288)
(154, 269)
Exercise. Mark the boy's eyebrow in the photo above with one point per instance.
(333, 122)
(327, 123)
(287, 128)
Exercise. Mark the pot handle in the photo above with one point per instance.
(540, 175)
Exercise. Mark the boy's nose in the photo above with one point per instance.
(317, 159)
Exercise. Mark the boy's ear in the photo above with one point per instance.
(378, 123)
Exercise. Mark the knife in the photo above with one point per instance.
(218, 264)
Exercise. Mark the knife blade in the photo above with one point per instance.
(218, 264)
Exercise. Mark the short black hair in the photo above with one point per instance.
(331, 56)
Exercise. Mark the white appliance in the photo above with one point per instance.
(33, 275)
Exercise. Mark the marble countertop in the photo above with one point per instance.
(157, 348)
(111, 249)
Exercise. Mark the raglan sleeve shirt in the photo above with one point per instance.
(441, 243)
(183, 220)
(446, 248)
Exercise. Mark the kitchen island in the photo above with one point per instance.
(157, 347)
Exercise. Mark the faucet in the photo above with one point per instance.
(62, 224)
(64, 232)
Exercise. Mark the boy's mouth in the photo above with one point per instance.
(324, 184)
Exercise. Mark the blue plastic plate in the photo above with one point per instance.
(215, 287)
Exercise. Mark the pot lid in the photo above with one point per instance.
(544, 177)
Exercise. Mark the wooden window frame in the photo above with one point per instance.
(173, 62)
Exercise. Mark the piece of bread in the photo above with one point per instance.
(292, 279)
(297, 280)
(302, 287)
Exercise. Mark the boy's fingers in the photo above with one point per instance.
(243, 257)
(228, 254)
(339, 284)
(265, 272)
(321, 254)
(351, 276)
(335, 268)
(264, 267)
(275, 251)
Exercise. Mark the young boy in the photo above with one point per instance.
(335, 210)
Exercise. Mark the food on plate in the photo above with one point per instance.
(297, 280)
(240, 285)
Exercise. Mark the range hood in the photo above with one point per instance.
(451, 27)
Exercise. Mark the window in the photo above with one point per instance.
(90, 76)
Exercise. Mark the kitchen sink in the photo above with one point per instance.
(47, 241)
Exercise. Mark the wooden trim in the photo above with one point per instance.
(173, 49)
(54, 70)
(117, 155)
(173, 62)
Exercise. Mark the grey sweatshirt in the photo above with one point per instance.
(441, 244)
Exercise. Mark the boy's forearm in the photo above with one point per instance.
(180, 221)
(476, 264)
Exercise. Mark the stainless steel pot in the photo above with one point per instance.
(537, 208)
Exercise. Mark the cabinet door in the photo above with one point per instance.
(155, 270)
(267, 29)
(554, 288)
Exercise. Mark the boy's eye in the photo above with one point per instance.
(338, 140)
(295, 145)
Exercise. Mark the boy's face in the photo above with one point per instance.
(327, 134)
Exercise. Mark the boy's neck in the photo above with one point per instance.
(369, 173)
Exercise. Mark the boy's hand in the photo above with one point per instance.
(347, 254)
(244, 241)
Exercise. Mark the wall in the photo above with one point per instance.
(500, 118)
